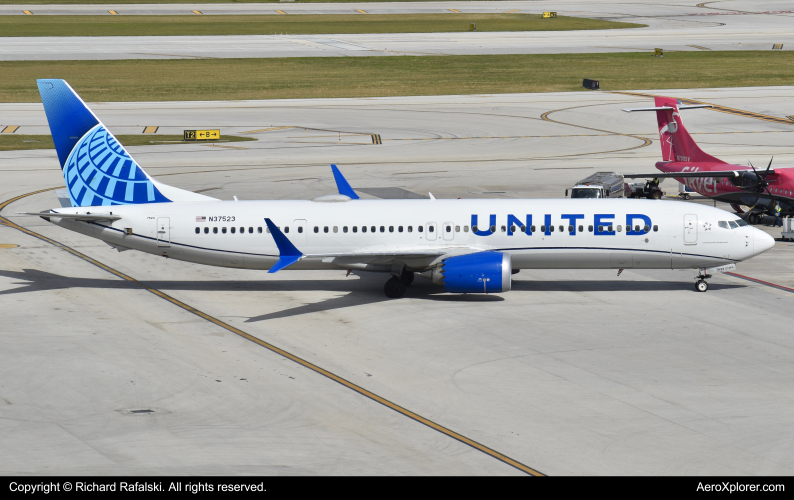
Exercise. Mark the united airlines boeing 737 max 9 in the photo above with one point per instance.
(467, 246)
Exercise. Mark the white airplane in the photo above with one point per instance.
(467, 246)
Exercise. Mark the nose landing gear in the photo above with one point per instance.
(700, 281)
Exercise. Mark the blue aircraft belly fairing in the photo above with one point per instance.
(100, 172)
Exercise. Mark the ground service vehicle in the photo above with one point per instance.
(598, 185)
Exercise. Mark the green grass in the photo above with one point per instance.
(311, 77)
(294, 25)
(16, 142)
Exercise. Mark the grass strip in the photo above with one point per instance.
(16, 142)
(313, 77)
(308, 24)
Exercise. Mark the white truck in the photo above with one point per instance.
(598, 185)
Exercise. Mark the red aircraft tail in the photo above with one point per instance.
(677, 144)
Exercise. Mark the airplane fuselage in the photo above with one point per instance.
(367, 234)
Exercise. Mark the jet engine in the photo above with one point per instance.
(482, 272)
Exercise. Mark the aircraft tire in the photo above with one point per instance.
(394, 288)
(701, 286)
(407, 277)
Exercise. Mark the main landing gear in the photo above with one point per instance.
(700, 281)
(396, 286)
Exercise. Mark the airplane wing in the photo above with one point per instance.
(677, 175)
(79, 217)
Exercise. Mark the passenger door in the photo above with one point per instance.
(690, 229)
(430, 231)
(163, 232)
(448, 231)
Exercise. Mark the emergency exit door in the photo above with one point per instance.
(690, 229)
(163, 232)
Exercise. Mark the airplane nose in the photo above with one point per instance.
(761, 241)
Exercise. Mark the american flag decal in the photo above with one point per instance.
(201, 219)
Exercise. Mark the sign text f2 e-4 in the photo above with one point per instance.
(201, 135)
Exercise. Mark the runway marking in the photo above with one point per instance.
(376, 139)
(113, 13)
(779, 287)
(361, 11)
(306, 364)
(777, 46)
(9, 129)
(281, 12)
(8, 245)
(150, 130)
(197, 12)
(645, 142)
(721, 109)
(509, 11)
(453, 10)
(699, 47)
(27, 12)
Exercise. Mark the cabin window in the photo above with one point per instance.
(372, 229)
(513, 229)
(620, 228)
(430, 228)
(420, 228)
(532, 229)
(610, 228)
(316, 229)
(570, 229)
(391, 229)
(223, 230)
(637, 228)
(733, 225)
(543, 228)
(551, 229)
(234, 230)
(383, 229)
(268, 230)
(465, 229)
(410, 228)
(493, 229)
(325, 229)
(250, 230)
(344, 229)
(300, 229)
(590, 228)
(198, 230)
(523, 229)
(336, 229)
(259, 230)
(457, 229)
(242, 230)
(504, 229)
(363, 229)
(399, 229)
(646, 228)
(562, 228)
(600, 229)
(655, 228)
(449, 229)
(474, 228)
(206, 230)
(355, 229)
(214, 230)
(581, 228)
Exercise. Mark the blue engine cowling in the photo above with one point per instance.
(482, 272)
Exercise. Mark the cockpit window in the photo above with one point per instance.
(723, 224)
(740, 222)
(733, 224)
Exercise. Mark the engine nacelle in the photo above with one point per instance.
(482, 272)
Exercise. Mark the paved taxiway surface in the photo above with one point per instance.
(738, 25)
(572, 372)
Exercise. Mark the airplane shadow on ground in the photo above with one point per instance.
(368, 289)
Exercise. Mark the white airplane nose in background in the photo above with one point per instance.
(762, 241)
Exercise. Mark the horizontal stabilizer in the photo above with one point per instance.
(79, 217)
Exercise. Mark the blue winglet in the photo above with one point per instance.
(342, 184)
(287, 253)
